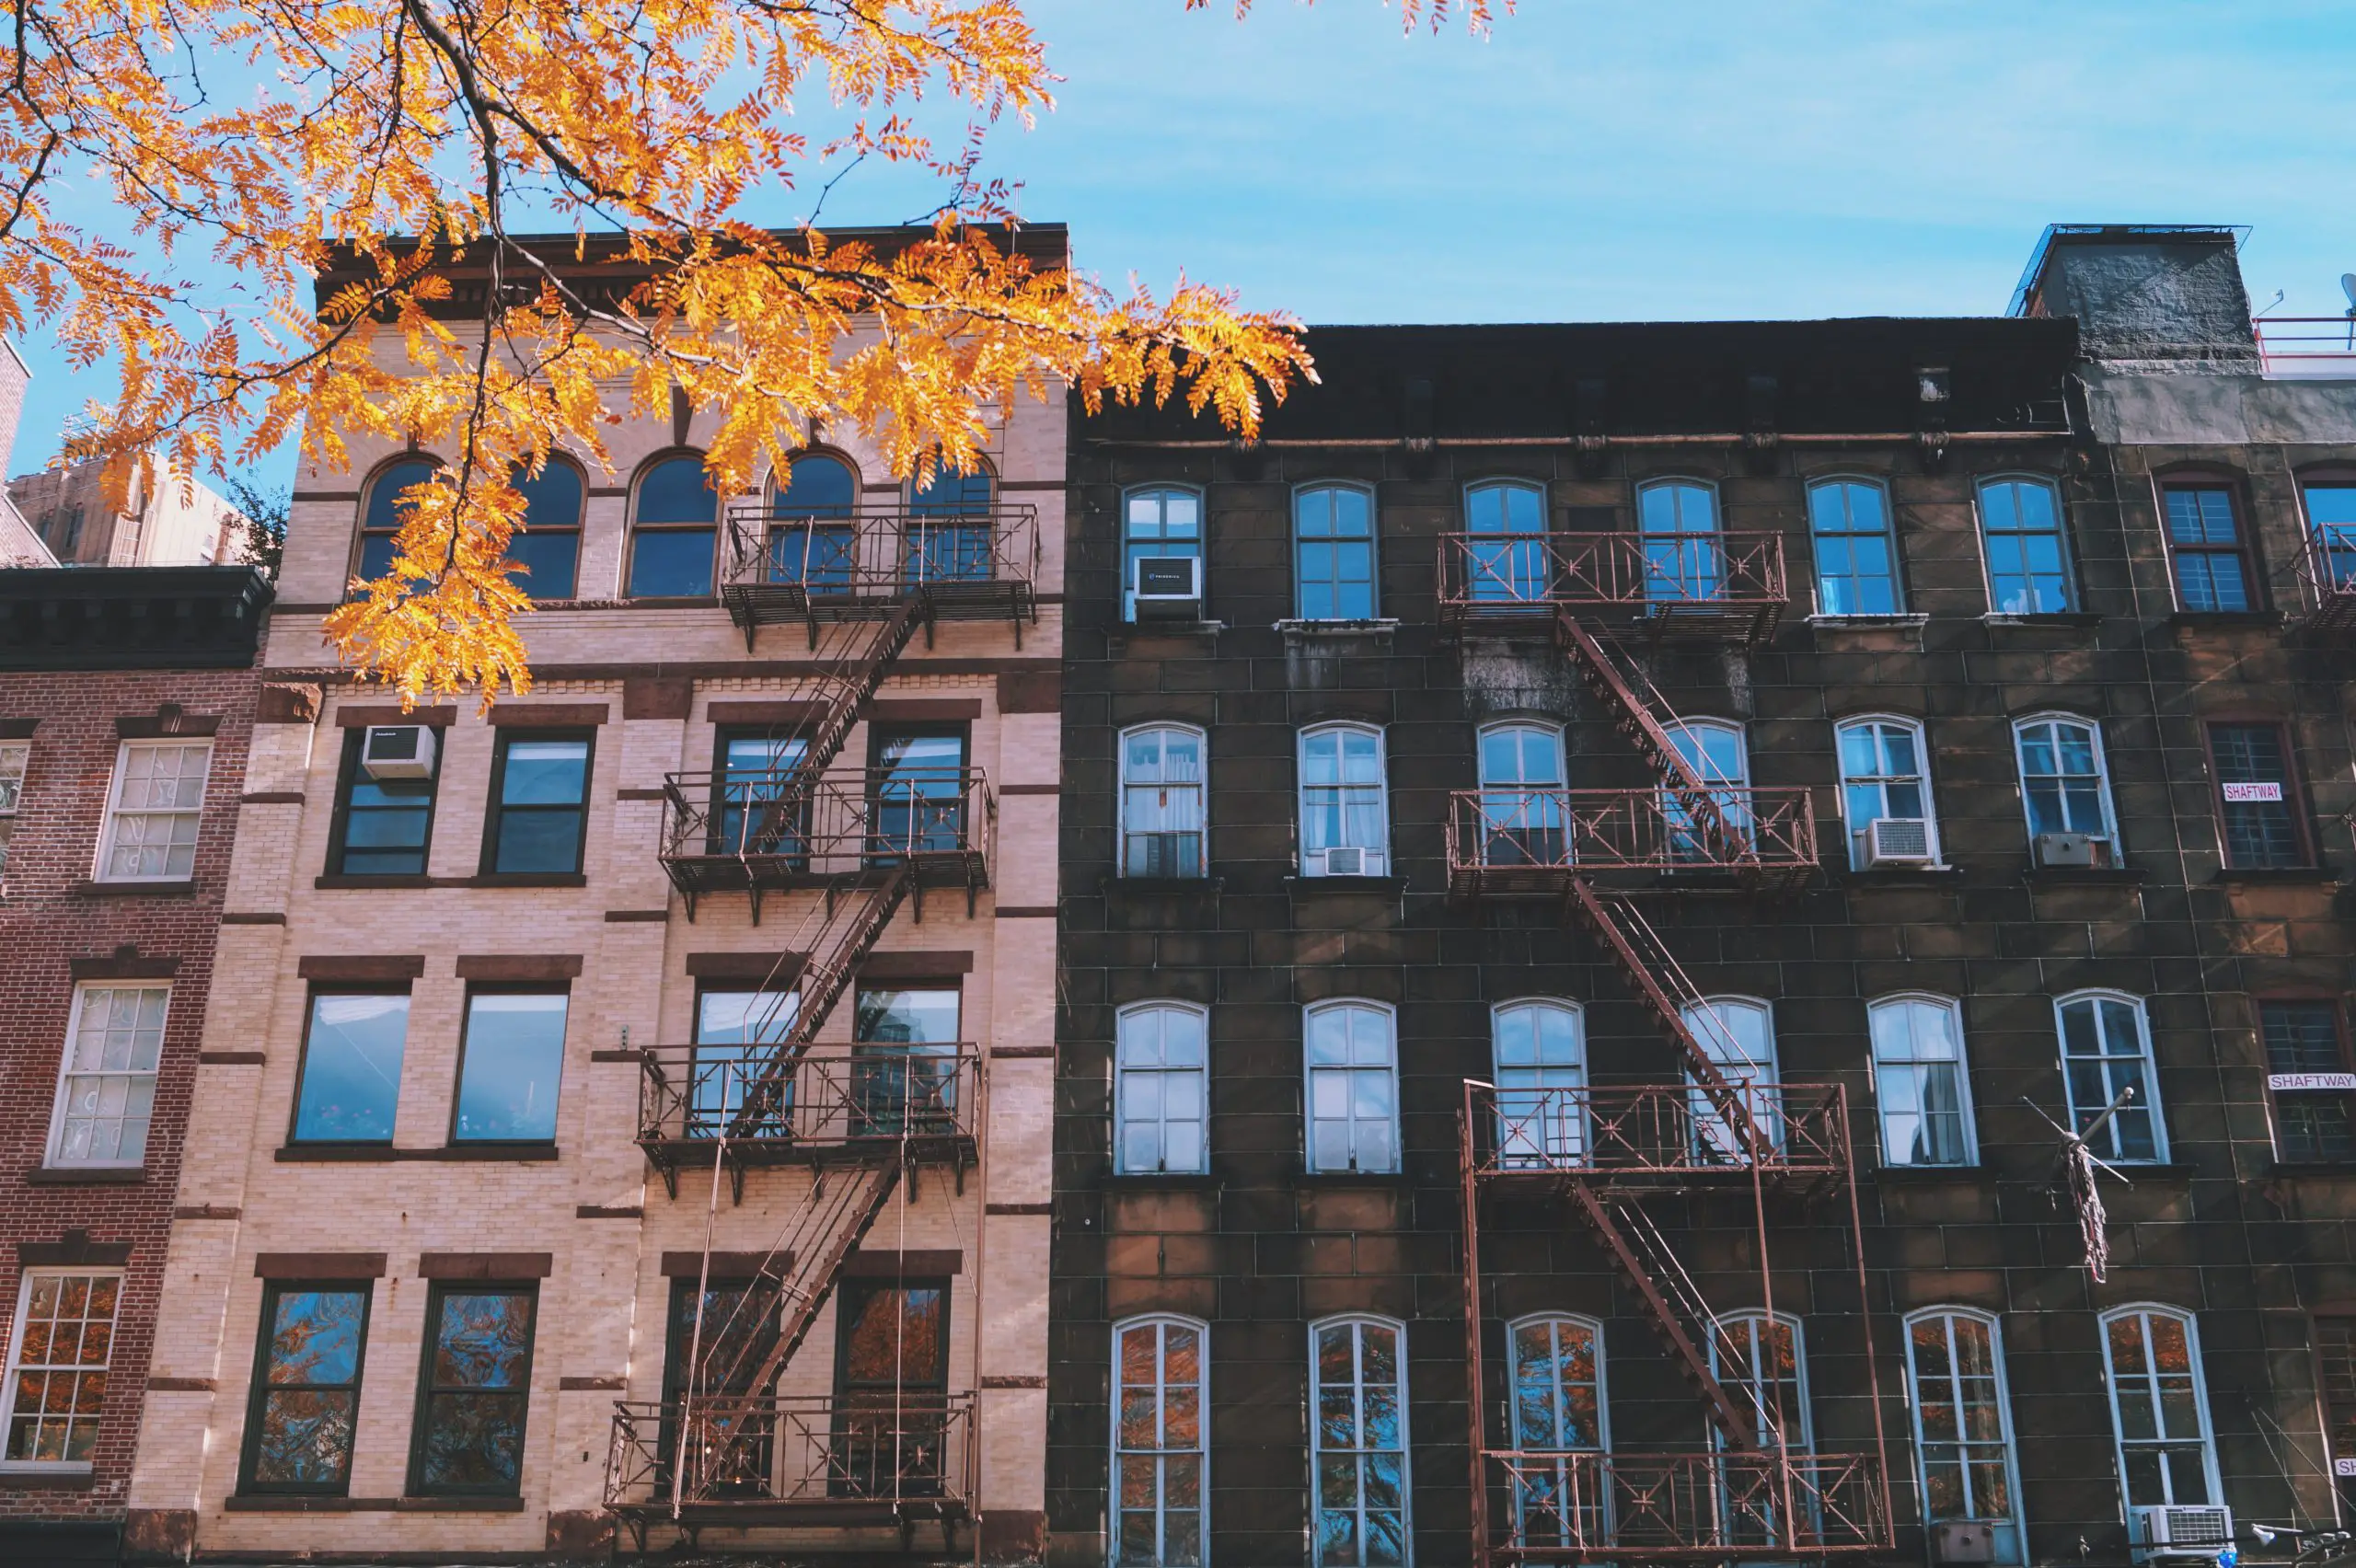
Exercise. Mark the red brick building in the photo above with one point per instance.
(127, 698)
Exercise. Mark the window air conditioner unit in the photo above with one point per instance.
(2178, 1530)
(1897, 841)
(1348, 862)
(396, 751)
(1957, 1542)
(2065, 850)
(1168, 587)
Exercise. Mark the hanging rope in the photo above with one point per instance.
(2074, 1182)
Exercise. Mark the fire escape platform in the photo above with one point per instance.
(1527, 842)
(1716, 588)
(898, 1105)
(863, 563)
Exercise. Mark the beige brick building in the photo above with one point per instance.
(505, 1055)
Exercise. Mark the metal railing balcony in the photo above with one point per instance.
(734, 830)
(1668, 1130)
(2308, 348)
(857, 563)
(1516, 842)
(897, 1102)
(1588, 1506)
(2327, 582)
(1717, 587)
(879, 1458)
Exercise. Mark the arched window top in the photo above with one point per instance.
(941, 492)
(2103, 994)
(676, 489)
(1161, 1320)
(385, 491)
(1736, 1030)
(552, 497)
(2148, 1309)
(816, 484)
(1522, 751)
(1573, 1320)
(1904, 721)
(1333, 509)
(1862, 486)
(1951, 1310)
(1163, 1005)
(1534, 1031)
(2056, 716)
(1929, 998)
(1505, 506)
(1165, 727)
(1677, 504)
(1162, 512)
(1350, 1004)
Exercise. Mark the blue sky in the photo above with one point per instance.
(1688, 159)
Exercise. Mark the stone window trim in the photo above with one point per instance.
(2244, 547)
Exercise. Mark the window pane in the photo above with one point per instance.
(351, 1069)
(671, 563)
(108, 1090)
(305, 1409)
(473, 1420)
(545, 773)
(2254, 776)
(514, 1055)
(385, 821)
(677, 489)
(57, 1386)
(547, 561)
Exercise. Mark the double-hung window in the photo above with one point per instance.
(1538, 1051)
(2160, 1402)
(1738, 1036)
(383, 825)
(2256, 797)
(1856, 560)
(2065, 785)
(1559, 1414)
(106, 1092)
(1506, 558)
(348, 1084)
(306, 1400)
(2307, 1081)
(59, 1355)
(951, 524)
(1921, 1081)
(548, 547)
(1334, 554)
(1162, 803)
(1761, 1363)
(675, 530)
(1163, 526)
(1684, 558)
(1161, 1091)
(1161, 1452)
(1353, 1053)
(1963, 1424)
(1345, 807)
(381, 520)
(152, 811)
(2106, 1051)
(14, 755)
(509, 1065)
(540, 813)
(1886, 792)
(2205, 541)
(1525, 811)
(2028, 558)
(737, 1033)
(1357, 1429)
(812, 539)
(1718, 754)
(473, 1391)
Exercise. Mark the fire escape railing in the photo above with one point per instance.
(1518, 842)
(779, 566)
(1705, 585)
(797, 1457)
(2326, 572)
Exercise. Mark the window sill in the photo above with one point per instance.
(2172, 1170)
(95, 888)
(1301, 633)
(2280, 876)
(1349, 1178)
(1896, 876)
(2221, 620)
(1297, 885)
(340, 879)
(671, 602)
(55, 1478)
(1117, 886)
(520, 879)
(385, 1154)
(85, 1176)
(459, 1504)
(2059, 619)
(2064, 876)
(1930, 1175)
(2313, 1167)
(1135, 631)
(1158, 1181)
(1912, 621)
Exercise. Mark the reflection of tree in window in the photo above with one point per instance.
(472, 1419)
(2163, 1432)
(309, 1395)
(1159, 1445)
(1964, 1430)
(905, 1068)
(1358, 1425)
(890, 1384)
(58, 1382)
(740, 1328)
(1557, 1389)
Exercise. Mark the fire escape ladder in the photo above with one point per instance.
(1684, 1322)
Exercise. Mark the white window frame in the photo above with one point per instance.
(2109, 834)
(1962, 1064)
(1198, 548)
(1559, 1494)
(16, 756)
(1721, 1329)
(1348, 1072)
(1317, 1450)
(1602, 1395)
(1381, 788)
(2151, 1074)
(1539, 1132)
(116, 812)
(1711, 1134)
(2144, 1311)
(2070, 587)
(15, 1358)
(82, 990)
(1123, 1076)
(2012, 1529)
(1202, 788)
(1732, 795)
(1160, 1323)
(1888, 534)
(1853, 830)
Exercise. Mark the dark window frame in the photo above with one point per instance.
(1810, 485)
(574, 530)
(495, 810)
(881, 734)
(436, 1293)
(258, 1391)
(2342, 1040)
(2294, 797)
(361, 532)
(717, 528)
(303, 1063)
(2245, 547)
(723, 737)
(466, 1036)
(355, 739)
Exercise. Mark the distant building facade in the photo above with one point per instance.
(163, 522)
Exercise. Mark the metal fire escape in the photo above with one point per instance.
(1611, 1154)
(725, 1447)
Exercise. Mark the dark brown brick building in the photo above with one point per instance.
(1789, 768)
(126, 700)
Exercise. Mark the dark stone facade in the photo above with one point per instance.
(2250, 1245)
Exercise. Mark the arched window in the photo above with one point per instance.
(1963, 1424)
(1856, 557)
(2029, 556)
(1719, 756)
(1505, 560)
(1737, 1034)
(1525, 811)
(1762, 1365)
(2159, 1407)
(1922, 1082)
(1684, 558)
(2064, 785)
(811, 537)
(1357, 1431)
(1353, 1063)
(1538, 1049)
(1161, 1090)
(942, 491)
(675, 530)
(548, 545)
(1345, 805)
(2329, 498)
(382, 517)
(1885, 779)
(1163, 824)
(1555, 1367)
(951, 528)
(1160, 1454)
(2105, 1051)
(1332, 530)
(1162, 525)
(2201, 515)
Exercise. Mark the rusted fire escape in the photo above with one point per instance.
(1606, 1153)
(726, 1446)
